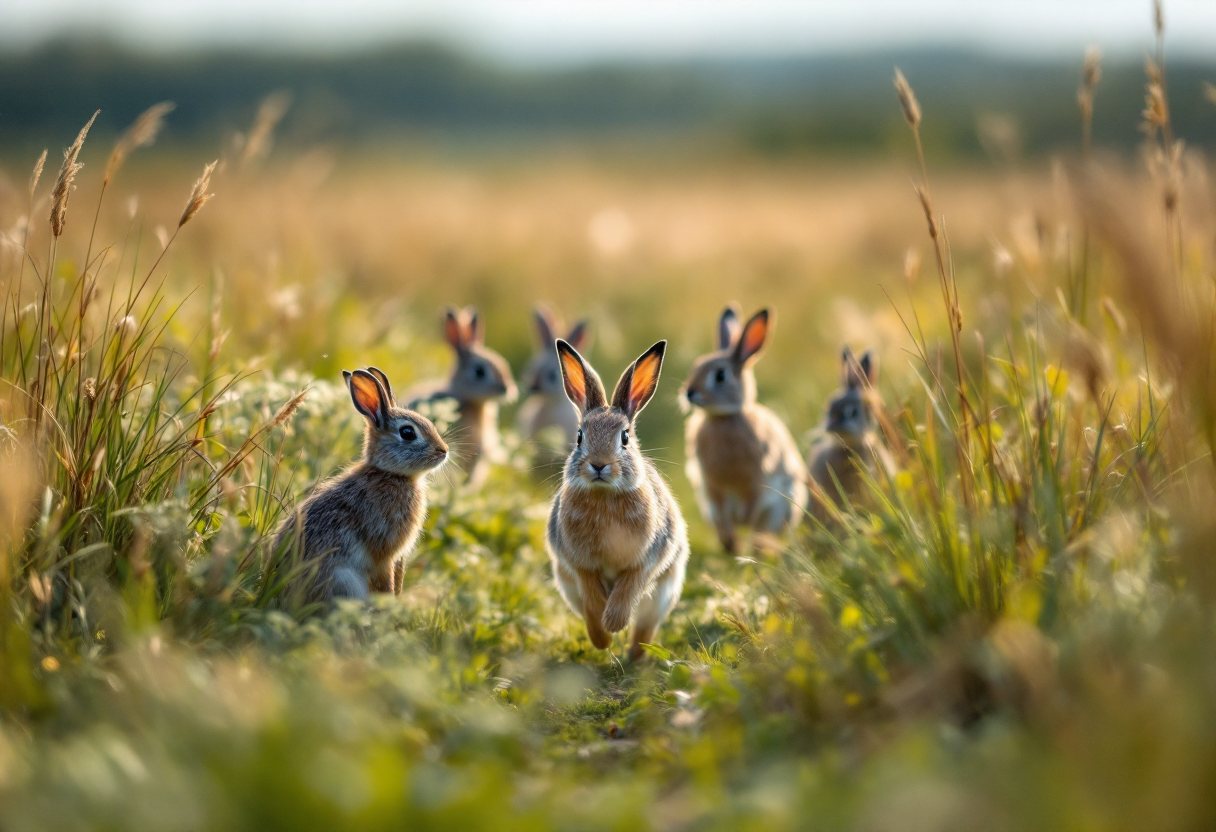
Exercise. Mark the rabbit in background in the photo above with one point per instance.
(742, 460)
(616, 536)
(850, 444)
(480, 379)
(357, 530)
(547, 407)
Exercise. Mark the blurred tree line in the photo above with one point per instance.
(834, 104)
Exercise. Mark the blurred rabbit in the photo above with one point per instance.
(547, 406)
(359, 528)
(479, 380)
(850, 444)
(616, 535)
(742, 460)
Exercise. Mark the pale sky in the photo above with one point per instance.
(548, 31)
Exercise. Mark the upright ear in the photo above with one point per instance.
(546, 326)
(453, 330)
(869, 367)
(578, 337)
(369, 397)
(583, 386)
(851, 373)
(728, 327)
(755, 334)
(639, 381)
(474, 331)
(383, 379)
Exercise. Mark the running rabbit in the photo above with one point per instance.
(480, 379)
(742, 460)
(616, 536)
(359, 527)
(547, 406)
(850, 444)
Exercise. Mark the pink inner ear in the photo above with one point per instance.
(367, 395)
(453, 331)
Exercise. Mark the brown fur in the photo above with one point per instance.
(355, 531)
(850, 450)
(480, 379)
(616, 535)
(742, 460)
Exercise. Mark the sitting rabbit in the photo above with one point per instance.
(480, 379)
(850, 444)
(357, 529)
(742, 460)
(616, 535)
(547, 406)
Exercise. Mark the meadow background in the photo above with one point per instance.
(1015, 632)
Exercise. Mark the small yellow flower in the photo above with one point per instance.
(50, 664)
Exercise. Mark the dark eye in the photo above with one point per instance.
(551, 376)
(720, 376)
(480, 372)
(408, 434)
(624, 438)
(579, 439)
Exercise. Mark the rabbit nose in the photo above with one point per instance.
(599, 470)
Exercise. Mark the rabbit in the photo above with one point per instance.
(361, 526)
(742, 460)
(547, 406)
(480, 379)
(850, 445)
(617, 539)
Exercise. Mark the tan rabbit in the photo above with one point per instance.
(362, 525)
(742, 460)
(616, 536)
(850, 445)
(547, 406)
(480, 379)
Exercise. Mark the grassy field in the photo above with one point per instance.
(1013, 632)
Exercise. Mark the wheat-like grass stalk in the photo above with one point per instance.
(67, 175)
(142, 133)
(270, 113)
(198, 195)
(37, 173)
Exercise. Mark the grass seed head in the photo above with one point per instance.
(37, 174)
(142, 132)
(198, 195)
(288, 410)
(67, 174)
(907, 99)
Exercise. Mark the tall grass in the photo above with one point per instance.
(1012, 631)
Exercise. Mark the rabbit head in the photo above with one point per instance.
(543, 375)
(723, 382)
(849, 412)
(606, 453)
(481, 374)
(396, 440)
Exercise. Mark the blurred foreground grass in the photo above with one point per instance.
(1015, 632)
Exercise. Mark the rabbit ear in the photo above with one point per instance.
(728, 327)
(383, 379)
(755, 334)
(583, 386)
(453, 330)
(474, 331)
(369, 397)
(578, 336)
(869, 366)
(546, 325)
(852, 374)
(639, 381)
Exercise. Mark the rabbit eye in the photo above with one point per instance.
(551, 377)
(720, 376)
(624, 438)
(479, 371)
(408, 434)
(579, 439)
